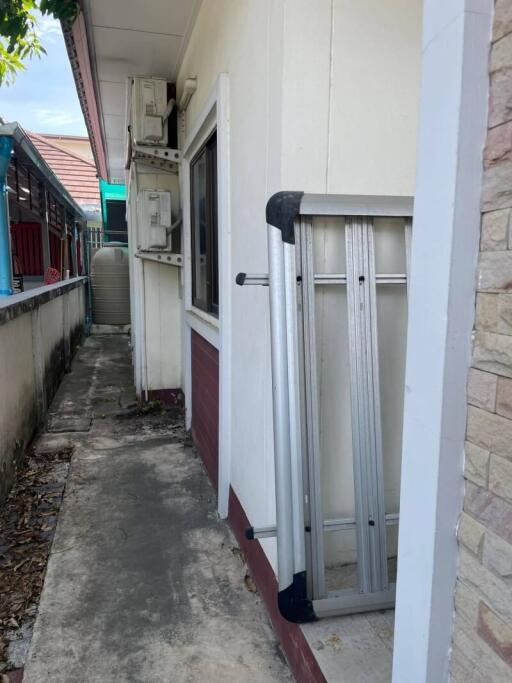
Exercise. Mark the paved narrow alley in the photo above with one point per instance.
(144, 582)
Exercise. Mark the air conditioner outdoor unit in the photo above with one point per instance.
(149, 110)
(155, 219)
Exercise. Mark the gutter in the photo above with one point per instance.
(77, 45)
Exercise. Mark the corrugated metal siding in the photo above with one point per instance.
(205, 403)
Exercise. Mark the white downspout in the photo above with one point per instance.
(189, 88)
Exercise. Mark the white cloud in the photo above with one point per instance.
(48, 29)
(55, 117)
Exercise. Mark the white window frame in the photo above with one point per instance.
(214, 115)
(198, 138)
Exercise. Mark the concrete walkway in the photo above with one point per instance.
(144, 583)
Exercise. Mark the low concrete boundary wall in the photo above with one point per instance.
(39, 332)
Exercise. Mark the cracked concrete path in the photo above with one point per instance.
(144, 582)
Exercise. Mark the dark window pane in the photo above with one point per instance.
(199, 232)
(116, 229)
(203, 185)
(214, 231)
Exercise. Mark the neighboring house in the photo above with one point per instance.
(323, 98)
(78, 144)
(44, 219)
(76, 172)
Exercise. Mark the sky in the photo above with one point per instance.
(43, 98)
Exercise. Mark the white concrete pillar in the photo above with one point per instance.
(452, 128)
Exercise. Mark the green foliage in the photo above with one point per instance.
(19, 39)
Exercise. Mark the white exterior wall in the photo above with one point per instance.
(350, 96)
(350, 100)
(243, 40)
(155, 294)
(322, 98)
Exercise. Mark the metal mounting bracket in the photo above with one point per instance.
(164, 158)
(166, 258)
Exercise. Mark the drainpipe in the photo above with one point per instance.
(189, 88)
(5, 238)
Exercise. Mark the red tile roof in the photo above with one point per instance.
(76, 173)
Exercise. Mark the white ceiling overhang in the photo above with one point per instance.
(131, 38)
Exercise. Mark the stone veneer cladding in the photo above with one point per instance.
(482, 643)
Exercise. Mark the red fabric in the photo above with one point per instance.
(27, 247)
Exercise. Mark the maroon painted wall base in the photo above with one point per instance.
(169, 397)
(301, 659)
(205, 403)
(205, 433)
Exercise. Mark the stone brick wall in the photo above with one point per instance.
(482, 644)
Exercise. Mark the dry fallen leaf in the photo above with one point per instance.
(334, 641)
(25, 540)
(238, 553)
(249, 584)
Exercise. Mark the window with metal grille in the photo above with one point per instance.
(116, 229)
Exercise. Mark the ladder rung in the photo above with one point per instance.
(350, 523)
(330, 525)
(322, 279)
(341, 279)
(252, 279)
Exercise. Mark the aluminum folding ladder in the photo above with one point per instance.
(300, 522)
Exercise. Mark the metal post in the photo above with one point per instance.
(45, 234)
(74, 255)
(63, 258)
(5, 237)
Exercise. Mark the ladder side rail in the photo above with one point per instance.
(306, 498)
(281, 411)
(408, 246)
(365, 400)
(290, 276)
(366, 436)
(312, 409)
(353, 305)
(375, 464)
